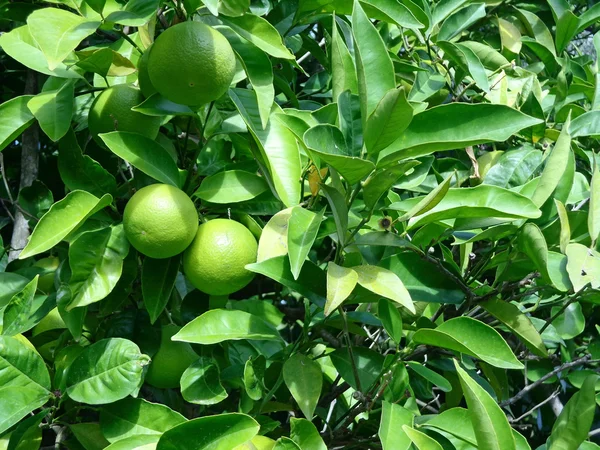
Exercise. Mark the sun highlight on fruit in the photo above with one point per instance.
(191, 64)
(160, 221)
(215, 262)
(111, 111)
(170, 361)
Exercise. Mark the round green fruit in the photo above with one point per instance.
(215, 261)
(143, 76)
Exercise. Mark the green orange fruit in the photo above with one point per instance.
(215, 261)
(160, 221)
(111, 111)
(191, 64)
(170, 361)
(143, 77)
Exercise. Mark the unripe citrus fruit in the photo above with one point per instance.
(160, 221)
(191, 64)
(215, 262)
(171, 360)
(111, 111)
(143, 77)
(46, 280)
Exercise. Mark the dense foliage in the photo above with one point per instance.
(421, 178)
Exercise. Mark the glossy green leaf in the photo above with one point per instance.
(57, 32)
(302, 232)
(28, 433)
(107, 371)
(420, 440)
(260, 32)
(343, 77)
(472, 337)
(135, 13)
(518, 323)
(594, 208)
(468, 61)
(306, 435)
(390, 118)
(278, 144)
(144, 154)
(374, 66)
(533, 244)
(328, 142)
(96, 260)
(158, 280)
(458, 125)
(385, 283)
(254, 374)
(136, 416)
(391, 319)
(565, 228)
(369, 365)
(136, 442)
(23, 310)
(201, 384)
(461, 20)
(566, 27)
(382, 180)
(284, 443)
(456, 421)
(585, 125)
(17, 402)
(15, 117)
(219, 432)
(273, 240)
(510, 36)
(391, 432)
(304, 379)
(63, 218)
(157, 105)
(483, 201)
(571, 322)
(105, 62)
(574, 422)
(231, 186)
(53, 110)
(490, 58)
(350, 121)
(514, 167)
(491, 426)
(430, 201)
(21, 365)
(583, 266)
(554, 169)
(337, 203)
(220, 325)
(431, 376)
(79, 171)
(341, 281)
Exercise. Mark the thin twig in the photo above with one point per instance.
(536, 407)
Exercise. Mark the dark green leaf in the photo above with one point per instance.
(304, 379)
(158, 280)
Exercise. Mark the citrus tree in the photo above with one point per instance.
(307, 224)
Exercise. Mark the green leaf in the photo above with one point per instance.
(273, 240)
(483, 201)
(594, 209)
(219, 432)
(337, 203)
(491, 426)
(388, 121)
(327, 141)
(350, 121)
(79, 171)
(17, 402)
(15, 117)
(35, 199)
(514, 167)
(157, 105)
(586, 124)
(105, 62)
(430, 201)
(220, 325)
(144, 154)
(20, 45)
(201, 383)
(374, 66)
(510, 36)
(107, 371)
(555, 168)
(254, 374)
(566, 28)
(28, 433)
(533, 244)
(490, 58)
(63, 218)
(277, 143)
(231, 186)
(304, 379)
(456, 421)
(58, 32)
(383, 180)
(259, 69)
(136, 442)
(306, 435)
(53, 110)
(574, 422)
(284, 443)
(136, 416)
(96, 260)
(16, 317)
(386, 283)
(471, 337)
(390, 318)
(565, 228)
(369, 365)
(518, 323)
(343, 76)
(461, 20)
(468, 61)
(391, 432)
(135, 14)
(158, 280)
(302, 232)
(341, 281)
(22, 366)
(260, 32)
(458, 125)
(421, 440)
(430, 376)
(583, 266)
